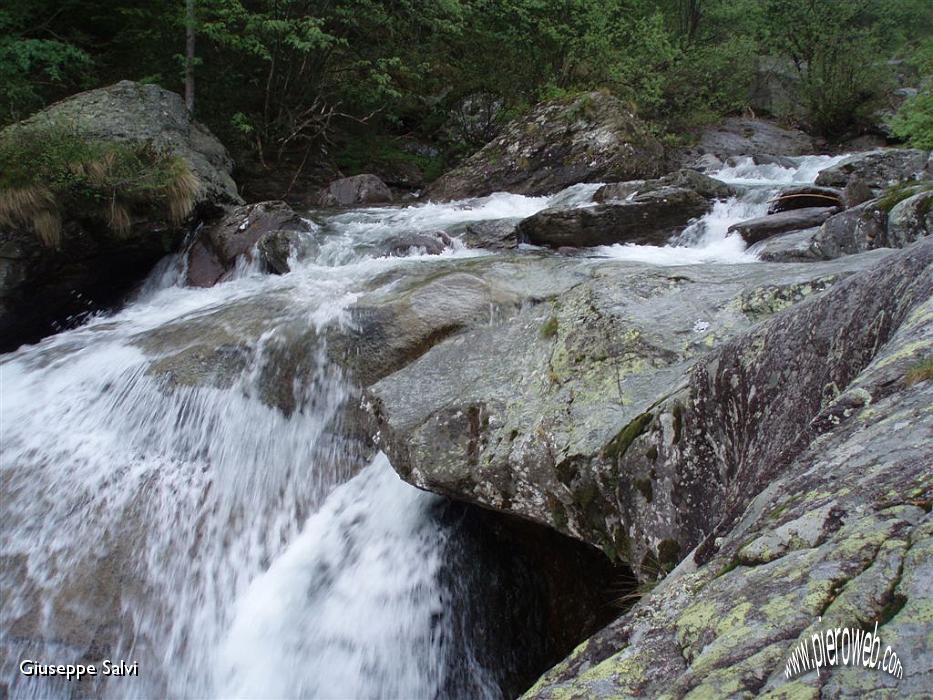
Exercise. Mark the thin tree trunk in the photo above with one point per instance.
(189, 57)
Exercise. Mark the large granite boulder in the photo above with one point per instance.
(878, 223)
(740, 136)
(587, 138)
(879, 168)
(42, 286)
(650, 218)
(832, 529)
(583, 413)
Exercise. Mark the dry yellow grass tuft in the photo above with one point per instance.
(34, 206)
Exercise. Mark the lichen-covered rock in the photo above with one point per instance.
(651, 218)
(215, 251)
(42, 287)
(581, 413)
(863, 227)
(911, 220)
(561, 142)
(878, 168)
(758, 229)
(355, 191)
(835, 531)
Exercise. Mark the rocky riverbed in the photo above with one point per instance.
(674, 413)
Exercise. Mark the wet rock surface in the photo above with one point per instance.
(703, 185)
(584, 413)
(273, 225)
(738, 136)
(649, 218)
(491, 235)
(589, 138)
(575, 412)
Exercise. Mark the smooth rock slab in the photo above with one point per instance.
(584, 414)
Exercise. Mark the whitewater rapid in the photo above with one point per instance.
(232, 548)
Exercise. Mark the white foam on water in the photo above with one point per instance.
(707, 240)
(329, 613)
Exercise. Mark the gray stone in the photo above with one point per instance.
(431, 243)
(834, 531)
(796, 246)
(214, 252)
(278, 248)
(863, 227)
(739, 136)
(755, 230)
(355, 191)
(590, 414)
(491, 235)
(910, 220)
(648, 218)
(703, 185)
(877, 169)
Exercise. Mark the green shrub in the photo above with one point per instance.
(914, 120)
(50, 172)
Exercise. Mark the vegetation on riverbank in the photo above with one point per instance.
(280, 77)
(50, 173)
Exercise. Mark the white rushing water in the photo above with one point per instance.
(707, 240)
(178, 491)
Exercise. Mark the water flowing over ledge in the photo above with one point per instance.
(217, 538)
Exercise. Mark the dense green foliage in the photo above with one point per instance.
(287, 77)
(50, 173)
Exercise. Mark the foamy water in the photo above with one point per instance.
(707, 239)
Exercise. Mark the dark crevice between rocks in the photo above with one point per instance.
(522, 595)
